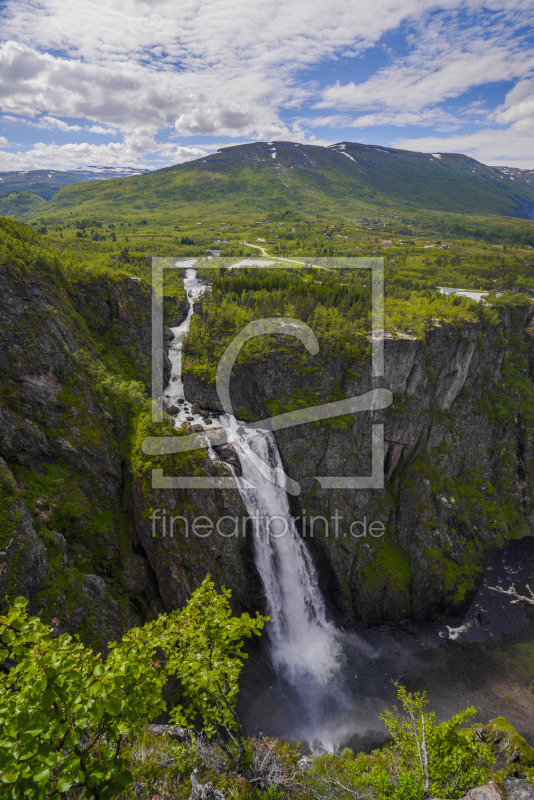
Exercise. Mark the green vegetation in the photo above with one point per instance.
(194, 462)
(75, 722)
(90, 240)
(10, 514)
(335, 303)
(113, 387)
(441, 758)
(305, 179)
(65, 712)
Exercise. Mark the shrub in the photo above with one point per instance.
(8, 484)
(442, 758)
(65, 712)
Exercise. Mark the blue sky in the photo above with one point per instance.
(155, 82)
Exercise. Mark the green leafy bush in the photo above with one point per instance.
(65, 712)
(443, 758)
(8, 484)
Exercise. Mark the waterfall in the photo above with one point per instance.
(340, 680)
(305, 646)
(174, 393)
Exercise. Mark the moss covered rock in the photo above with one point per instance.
(511, 749)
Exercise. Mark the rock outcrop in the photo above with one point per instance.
(68, 354)
(187, 533)
(511, 789)
(458, 455)
(74, 498)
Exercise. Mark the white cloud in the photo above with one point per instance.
(56, 124)
(510, 147)
(3, 142)
(427, 80)
(32, 83)
(224, 33)
(179, 154)
(429, 117)
(227, 66)
(435, 117)
(100, 129)
(216, 118)
(231, 68)
(518, 107)
(135, 147)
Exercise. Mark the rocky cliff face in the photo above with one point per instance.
(74, 495)
(187, 533)
(68, 539)
(62, 463)
(458, 459)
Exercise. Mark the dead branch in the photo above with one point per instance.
(511, 592)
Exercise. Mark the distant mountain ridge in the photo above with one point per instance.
(261, 177)
(47, 182)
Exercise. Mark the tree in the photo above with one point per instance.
(208, 658)
(444, 759)
(65, 711)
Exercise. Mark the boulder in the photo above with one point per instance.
(483, 620)
(487, 792)
(517, 789)
(172, 731)
(514, 789)
(509, 747)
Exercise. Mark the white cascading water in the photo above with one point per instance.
(174, 393)
(306, 649)
(305, 645)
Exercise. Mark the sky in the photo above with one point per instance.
(149, 83)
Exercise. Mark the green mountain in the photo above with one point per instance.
(266, 177)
